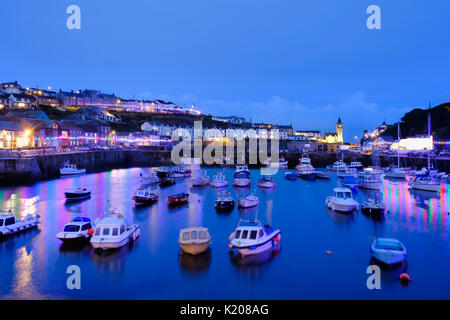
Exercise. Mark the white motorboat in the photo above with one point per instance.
(337, 166)
(114, 232)
(180, 172)
(151, 179)
(396, 173)
(347, 172)
(241, 169)
(266, 182)
(9, 225)
(242, 182)
(356, 165)
(77, 193)
(70, 169)
(219, 181)
(194, 240)
(281, 164)
(370, 179)
(342, 200)
(224, 201)
(200, 181)
(249, 201)
(388, 251)
(424, 183)
(250, 237)
(322, 174)
(163, 172)
(78, 230)
(305, 163)
(144, 196)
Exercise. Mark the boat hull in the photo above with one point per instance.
(372, 211)
(66, 238)
(71, 172)
(20, 227)
(128, 236)
(144, 200)
(370, 185)
(341, 206)
(425, 187)
(195, 249)
(219, 184)
(77, 196)
(256, 249)
(307, 176)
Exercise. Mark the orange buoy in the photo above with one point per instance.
(405, 278)
(90, 232)
(328, 252)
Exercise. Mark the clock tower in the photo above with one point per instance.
(339, 126)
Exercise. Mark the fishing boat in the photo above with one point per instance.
(424, 183)
(389, 251)
(70, 169)
(167, 182)
(163, 172)
(350, 182)
(200, 181)
(372, 207)
(179, 198)
(224, 201)
(194, 240)
(144, 196)
(151, 179)
(338, 165)
(241, 169)
(342, 200)
(219, 181)
(242, 180)
(322, 174)
(396, 173)
(180, 172)
(78, 230)
(77, 193)
(249, 201)
(9, 225)
(266, 182)
(281, 164)
(370, 179)
(305, 162)
(290, 175)
(114, 232)
(347, 172)
(307, 173)
(356, 165)
(250, 237)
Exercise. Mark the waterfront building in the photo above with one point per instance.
(310, 134)
(11, 134)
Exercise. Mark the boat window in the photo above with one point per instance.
(202, 235)
(237, 234)
(261, 233)
(122, 229)
(71, 228)
(185, 236)
(105, 232)
(97, 232)
(253, 234)
(348, 195)
(9, 221)
(340, 194)
(115, 232)
(244, 234)
(87, 226)
(1, 222)
(193, 234)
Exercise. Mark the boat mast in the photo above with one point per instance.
(398, 135)
(429, 133)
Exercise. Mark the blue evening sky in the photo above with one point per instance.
(290, 62)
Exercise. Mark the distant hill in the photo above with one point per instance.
(415, 123)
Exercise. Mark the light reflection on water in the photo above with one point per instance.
(34, 263)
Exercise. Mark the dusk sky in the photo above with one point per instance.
(303, 63)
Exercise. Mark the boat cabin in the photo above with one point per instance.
(78, 224)
(194, 234)
(7, 220)
(110, 227)
(343, 193)
(221, 196)
(249, 230)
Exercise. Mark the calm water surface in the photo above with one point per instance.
(34, 264)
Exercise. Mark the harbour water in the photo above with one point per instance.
(34, 264)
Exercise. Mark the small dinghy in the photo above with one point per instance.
(144, 196)
(388, 251)
(180, 198)
(219, 181)
(248, 201)
(77, 193)
(9, 225)
(322, 174)
(114, 232)
(78, 230)
(224, 201)
(70, 169)
(266, 182)
(290, 175)
(151, 179)
(167, 182)
(372, 207)
(342, 200)
(250, 237)
(350, 182)
(194, 240)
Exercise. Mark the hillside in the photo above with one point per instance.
(415, 122)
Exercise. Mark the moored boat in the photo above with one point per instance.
(250, 237)
(219, 181)
(322, 174)
(180, 172)
(151, 179)
(372, 207)
(179, 198)
(242, 181)
(144, 196)
(70, 169)
(370, 179)
(290, 175)
(77, 193)
(388, 251)
(307, 173)
(78, 230)
(342, 200)
(9, 225)
(163, 172)
(337, 165)
(114, 232)
(266, 182)
(249, 201)
(167, 182)
(195, 240)
(241, 169)
(424, 183)
(347, 172)
(224, 201)
(356, 165)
